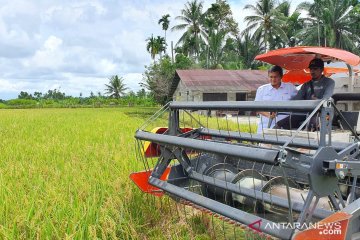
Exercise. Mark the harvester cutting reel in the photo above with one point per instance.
(284, 183)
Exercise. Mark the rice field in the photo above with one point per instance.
(64, 175)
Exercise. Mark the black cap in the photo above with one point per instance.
(316, 62)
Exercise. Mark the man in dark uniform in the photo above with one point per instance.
(319, 87)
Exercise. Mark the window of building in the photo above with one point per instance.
(214, 97)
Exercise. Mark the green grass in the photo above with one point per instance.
(64, 174)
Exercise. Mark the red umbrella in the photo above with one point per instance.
(298, 58)
(302, 76)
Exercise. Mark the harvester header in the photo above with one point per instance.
(287, 184)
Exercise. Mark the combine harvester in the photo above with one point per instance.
(287, 184)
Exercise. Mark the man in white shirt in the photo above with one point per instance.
(273, 91)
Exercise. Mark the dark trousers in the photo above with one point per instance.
(294, 121)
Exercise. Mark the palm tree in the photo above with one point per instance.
(216, 47)
(247, 48)
(192, 18)
(116, 87)
(293, 24)
(356, 15)
(187, 47)
(219, 17)
(155, 46)
(161, 44)
(331, 23)
(266, 22)
(164, 21)
(312, 24)
(152, 47)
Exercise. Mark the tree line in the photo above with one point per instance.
(211, 38)
(115, 94)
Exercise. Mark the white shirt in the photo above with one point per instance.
(269, 93)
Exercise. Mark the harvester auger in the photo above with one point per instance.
(287, 184)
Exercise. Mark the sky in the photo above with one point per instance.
(75, 46)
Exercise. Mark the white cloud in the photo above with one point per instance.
(73, 13)
(132, 80)
(49, 56)
(52, 43)
(11, 86)
(107, 66)
(78, 45)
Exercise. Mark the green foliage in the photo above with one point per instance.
(266, 23)
(216, 42)
(25, 95)
(206, 34)
(116, 87)
(164, 21)
(21, 102)
(264, 67)
(132, 99)
(2, 105)
(220, 27)
(54, 94)
(219, 17)
(233, 66)
(158, 77)
(332, 23)
(183, 62)
(51, 94)
(211, 37)
(38, 95)
(192, 23)
(141, 98)
(155, 46)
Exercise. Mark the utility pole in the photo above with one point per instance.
(172, 52)
(207, 57)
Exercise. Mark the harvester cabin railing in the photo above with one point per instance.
(261, 138)
(283, 106)
(256, 154)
